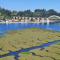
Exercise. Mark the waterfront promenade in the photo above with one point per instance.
(32, 20)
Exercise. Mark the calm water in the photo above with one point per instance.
(19, 26)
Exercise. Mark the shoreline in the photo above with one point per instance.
(26, 22)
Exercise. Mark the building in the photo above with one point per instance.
(54, 17)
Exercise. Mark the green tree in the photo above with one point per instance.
(40, 12)
(51, 12)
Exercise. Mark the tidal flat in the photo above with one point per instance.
(16, 40)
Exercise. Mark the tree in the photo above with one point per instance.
(28, 13)
(7, 14)
(51, 12)
(14, 13)
(20, 13)
(40, 12)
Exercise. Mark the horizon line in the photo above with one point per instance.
(28, 9)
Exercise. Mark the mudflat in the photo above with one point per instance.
(16, 40)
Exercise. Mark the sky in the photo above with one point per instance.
(21, 5)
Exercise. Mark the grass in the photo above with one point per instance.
(25, 53)
(15, 40)
(52, 52)
(8, 58)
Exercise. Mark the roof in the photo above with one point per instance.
(54, 17)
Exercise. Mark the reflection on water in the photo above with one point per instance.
(19, 26)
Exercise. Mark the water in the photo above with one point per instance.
(18, 26)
